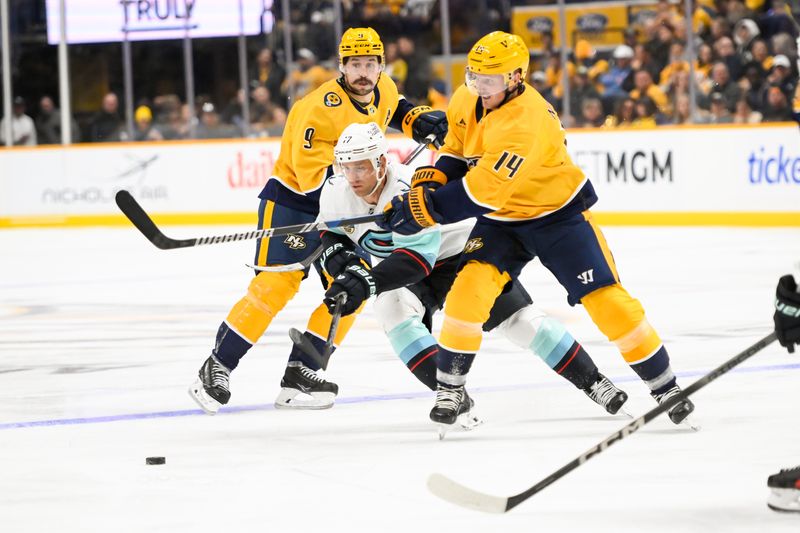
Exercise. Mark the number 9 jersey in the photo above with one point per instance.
(312, 129)
(516, 156)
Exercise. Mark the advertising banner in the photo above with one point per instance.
(102, 21)
(704, 175)
(600, 23)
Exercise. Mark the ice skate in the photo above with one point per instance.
(302, 388)
(453, 405)
(679, 412)
(607, 395)
(785, 487)
(212, 388)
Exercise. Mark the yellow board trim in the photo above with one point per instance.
(161, 219)
(742, 219)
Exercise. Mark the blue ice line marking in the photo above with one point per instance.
(352, 400)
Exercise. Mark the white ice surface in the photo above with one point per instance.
(96, 324)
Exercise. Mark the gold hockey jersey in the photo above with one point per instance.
(517, 157)
(314, 125)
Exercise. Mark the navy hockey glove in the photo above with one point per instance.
(787, 312)
(410, 212)
(336, 258)
(357, 283)
(422, 121)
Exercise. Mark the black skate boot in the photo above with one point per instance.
(606, 395)
(679, 411)
(212, 388)
(453, 404)
(302, 388)
(785, 486)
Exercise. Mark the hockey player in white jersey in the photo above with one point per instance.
(413, 273)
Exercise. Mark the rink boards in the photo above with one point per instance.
(713, 175)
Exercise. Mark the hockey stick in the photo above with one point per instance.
(301, 341)
(307, 347)
(458, 494)
(131, 208)
(139, 217)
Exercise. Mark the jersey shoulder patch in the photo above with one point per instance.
(331, 99)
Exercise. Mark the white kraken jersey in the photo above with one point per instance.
(339, 201)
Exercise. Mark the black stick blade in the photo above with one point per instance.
(305, 345)
(139, 218)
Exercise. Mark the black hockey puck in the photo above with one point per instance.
(155, 460)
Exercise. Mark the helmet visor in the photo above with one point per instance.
(485, 85)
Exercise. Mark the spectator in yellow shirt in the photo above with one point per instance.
(644, 86)
(677, 64)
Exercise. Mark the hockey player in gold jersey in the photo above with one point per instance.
(291, 196)
(505, 161)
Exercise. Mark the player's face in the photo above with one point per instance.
(361, 176)
(491, 88)
(361, 74)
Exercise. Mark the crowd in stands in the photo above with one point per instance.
(746, 71)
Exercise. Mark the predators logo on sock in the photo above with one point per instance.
(473, 245)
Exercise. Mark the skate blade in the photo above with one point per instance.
(784, 500)
(443, 429)
(201, 397)
(469, 421)
(691, 424)
(295, 399)
(464, 422)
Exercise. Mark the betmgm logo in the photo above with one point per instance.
(295, 242)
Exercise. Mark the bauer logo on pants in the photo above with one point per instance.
(295, 242)
(473, 244)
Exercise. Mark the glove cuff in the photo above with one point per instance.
(428, 176)
(412, 115)
(418, 207)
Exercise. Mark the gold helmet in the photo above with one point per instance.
(499, 53)
(360, 42)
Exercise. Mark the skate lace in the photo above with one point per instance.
(219, 375)
(603, 391)
(447, 398)
(664, 396)
(310, 374)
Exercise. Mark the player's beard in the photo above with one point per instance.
(360, 89)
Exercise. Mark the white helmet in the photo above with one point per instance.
(359, 142)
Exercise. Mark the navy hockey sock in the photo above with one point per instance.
(453, 367)
(656, 372)
(297, 355)
(229, 347)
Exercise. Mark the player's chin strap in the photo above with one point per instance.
(380, 179)
(516, 91)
